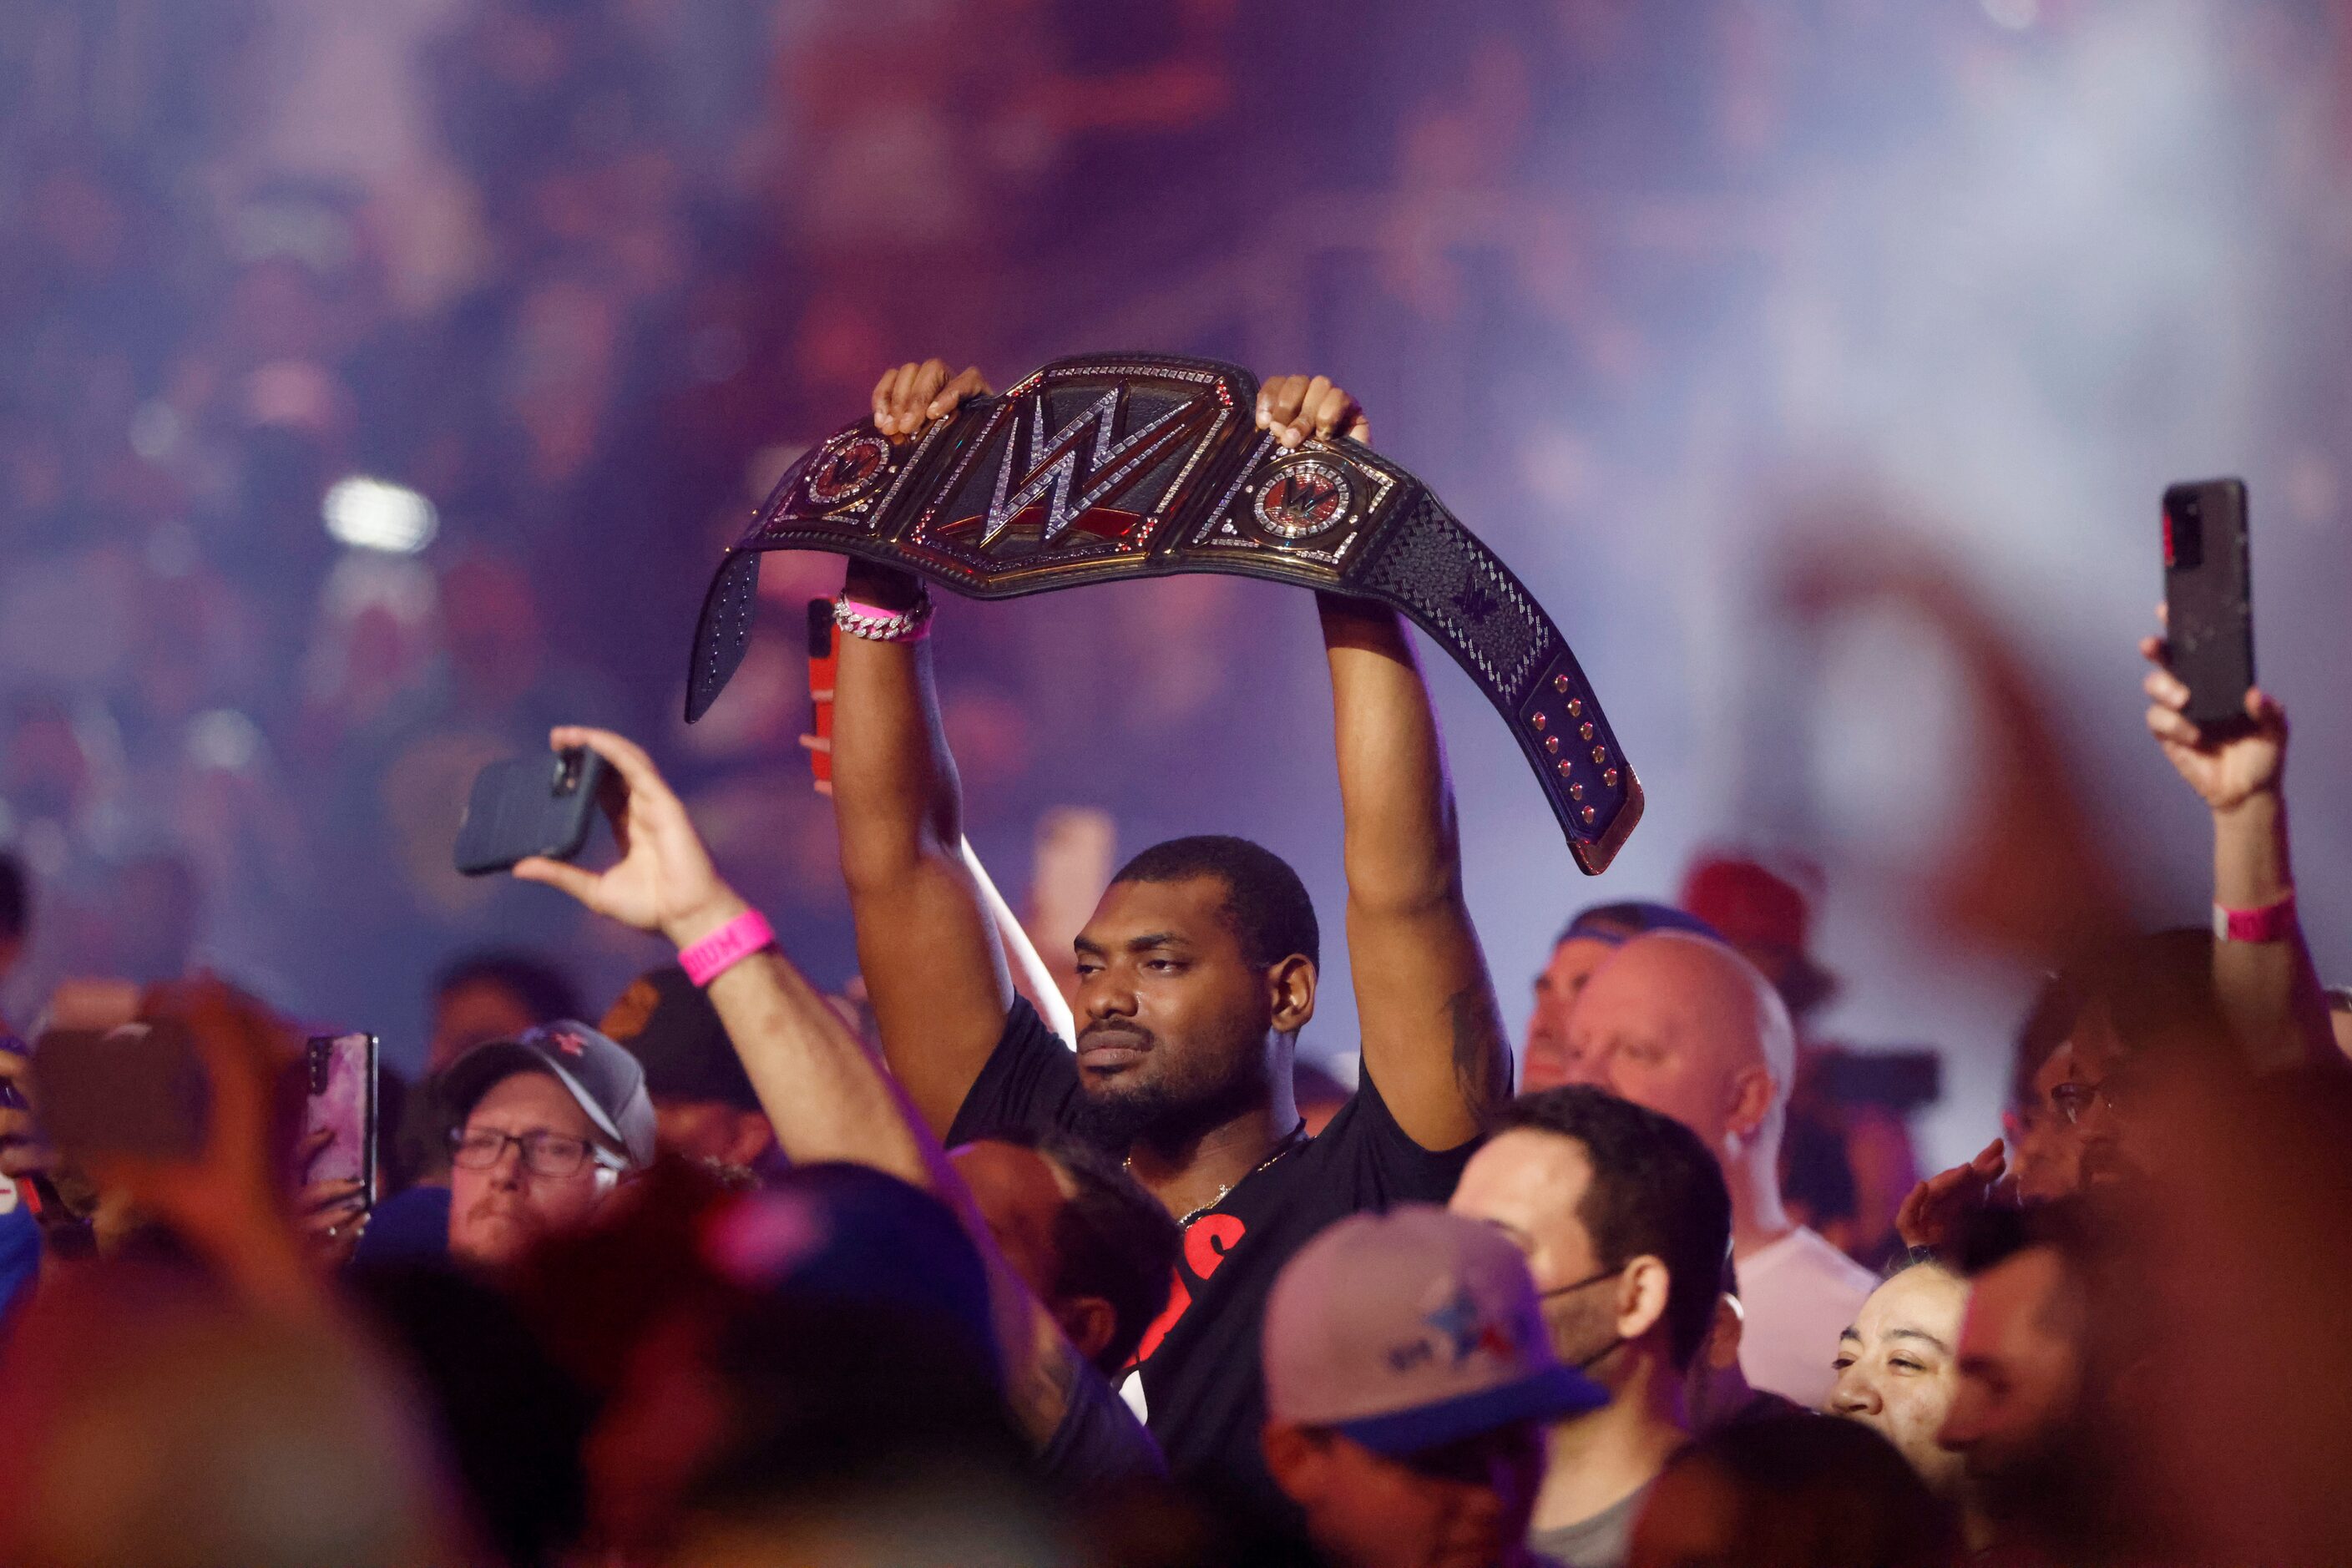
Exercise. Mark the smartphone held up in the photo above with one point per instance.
(2208, 599)
(339, 1110)
(530, 805)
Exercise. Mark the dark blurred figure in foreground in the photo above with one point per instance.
(1795, 1491)
(2206, 1284)
(156, 1422)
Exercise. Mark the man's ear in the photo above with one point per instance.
(751, 1137)
(1088, 1322)
(1723, 1339)
(1296, 1461)
(1290, 986)
(1641, 1291)
(1752, 1097)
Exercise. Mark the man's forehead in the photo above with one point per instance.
(1549, 1170)
(1923, 1301)
(1625, 1005)
(1193, 909)
(530, 1092)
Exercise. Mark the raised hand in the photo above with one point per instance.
(1939, 1208)
(664, 880)
(909, 398)
(1297, 407)
(2225, 769)
(225, 1201)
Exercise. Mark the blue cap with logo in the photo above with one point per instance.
(1411, 1330)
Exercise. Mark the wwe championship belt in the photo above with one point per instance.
(1111, 467)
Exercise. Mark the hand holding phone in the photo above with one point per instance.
(664, 880)
(339, 1111)
(529, 806)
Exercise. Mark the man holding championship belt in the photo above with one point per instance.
(1195, 976)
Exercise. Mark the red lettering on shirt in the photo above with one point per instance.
(1207, 1240)
(1178, 1299)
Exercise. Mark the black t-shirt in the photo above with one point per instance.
(1199, 1361)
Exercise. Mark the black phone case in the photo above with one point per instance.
(529, 806)
(2208, 608)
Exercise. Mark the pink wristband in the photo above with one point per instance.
(2272, 922)
(740, 938)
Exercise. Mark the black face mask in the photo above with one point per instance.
(1586, 1363)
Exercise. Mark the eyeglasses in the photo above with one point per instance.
(549, 1154)
(2073, 1100)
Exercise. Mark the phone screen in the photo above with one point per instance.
(339, 1100)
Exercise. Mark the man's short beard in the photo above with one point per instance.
(1117, 1119)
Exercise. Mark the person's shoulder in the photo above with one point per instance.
(1810, 1252)
(1026, 1085)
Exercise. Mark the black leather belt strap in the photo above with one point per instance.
(1142, 465)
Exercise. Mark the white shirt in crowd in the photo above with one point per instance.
(1798, 1295)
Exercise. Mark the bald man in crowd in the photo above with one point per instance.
(1683, 1025)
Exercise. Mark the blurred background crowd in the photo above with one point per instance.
(378, 384)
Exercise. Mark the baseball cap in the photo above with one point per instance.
(1618, 925)
(1755, 907)
(667, 1022)
(1411, 1330)
(606, 1079)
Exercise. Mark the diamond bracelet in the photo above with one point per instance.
(875, 624)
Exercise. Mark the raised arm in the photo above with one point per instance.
(1433, 1035)
(927, 942)
(2269, 991)
(825, 1095)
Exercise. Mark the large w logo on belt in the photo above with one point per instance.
(1072, 478)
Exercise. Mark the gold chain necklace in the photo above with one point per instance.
(1296, 1138)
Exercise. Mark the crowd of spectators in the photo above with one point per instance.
(751, 1273)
